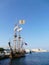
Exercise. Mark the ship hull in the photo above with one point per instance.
(17, 55)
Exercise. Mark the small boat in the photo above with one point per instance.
(2, 55)
(18, 50)
(30, 51)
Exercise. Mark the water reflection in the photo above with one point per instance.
(30, 59)
(5, 62)
(18, 61)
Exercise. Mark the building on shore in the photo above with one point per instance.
(35, 50)
(39, 50)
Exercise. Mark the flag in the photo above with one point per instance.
(21, 21)
(9, 43)
(25, 43)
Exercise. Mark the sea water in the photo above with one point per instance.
(38, 58)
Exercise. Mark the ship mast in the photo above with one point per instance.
(17, 37)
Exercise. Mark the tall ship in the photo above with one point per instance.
(18, 43)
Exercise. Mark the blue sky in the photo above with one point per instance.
(36, 14)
